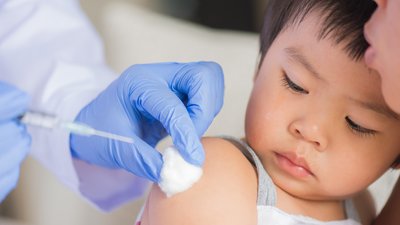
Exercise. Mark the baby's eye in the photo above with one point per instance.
(359, 130)
(292, 86)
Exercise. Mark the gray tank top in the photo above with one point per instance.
(266, 194)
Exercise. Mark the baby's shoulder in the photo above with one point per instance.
(228, 164)
(223, 149)
(225, 194)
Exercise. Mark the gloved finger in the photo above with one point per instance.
(8, 182)
(14, 102)
(14, 146)
(139, 158)
(203, 83)
(12, 130)
(167, 108)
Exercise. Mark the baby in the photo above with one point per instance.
(317, 130)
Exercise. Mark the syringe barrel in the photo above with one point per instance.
(40, 119)
(52, 122)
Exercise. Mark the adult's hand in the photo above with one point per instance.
(147, 102)
(14, 139)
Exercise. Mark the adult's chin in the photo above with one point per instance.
(369, 57)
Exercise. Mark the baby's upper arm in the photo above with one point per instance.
(225, 194)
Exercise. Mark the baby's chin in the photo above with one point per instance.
(311, 192)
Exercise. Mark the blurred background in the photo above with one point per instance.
(144, 31)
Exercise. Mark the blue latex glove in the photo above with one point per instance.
(14, 139)
(146, 102)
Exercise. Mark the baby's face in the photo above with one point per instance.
(317, 118)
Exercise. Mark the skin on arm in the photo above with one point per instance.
(225, 194)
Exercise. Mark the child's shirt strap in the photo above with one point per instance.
(266, 189)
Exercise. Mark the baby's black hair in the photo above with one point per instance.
(342, 21)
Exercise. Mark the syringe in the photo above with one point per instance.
(53, 122)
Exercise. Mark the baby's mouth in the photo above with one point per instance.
(293, 164)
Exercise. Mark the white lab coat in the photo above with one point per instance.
(49, 49)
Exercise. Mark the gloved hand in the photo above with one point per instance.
(14, 139)
(146, 102)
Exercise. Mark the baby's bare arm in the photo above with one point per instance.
(226, 193)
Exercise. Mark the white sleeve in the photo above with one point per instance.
(49, 49)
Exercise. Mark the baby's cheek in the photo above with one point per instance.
(344, 181)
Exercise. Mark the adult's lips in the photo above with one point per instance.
(370, 53)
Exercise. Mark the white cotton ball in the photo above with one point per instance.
(177, 175)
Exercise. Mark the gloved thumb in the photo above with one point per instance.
(167, 108)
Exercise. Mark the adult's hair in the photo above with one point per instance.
(341, 20)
